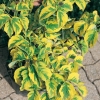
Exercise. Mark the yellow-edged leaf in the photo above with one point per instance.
(8, 29)
(16, 24)
(3, 19)
(80, 27)
(62, 18)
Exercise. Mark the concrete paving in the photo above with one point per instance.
(90, 75)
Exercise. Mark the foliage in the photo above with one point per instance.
(48, 46)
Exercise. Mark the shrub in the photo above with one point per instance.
(48, 46)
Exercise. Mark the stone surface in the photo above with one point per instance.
(5, 88)
(15, 96)
(7, 98)
(96, 51)
(88, 59)
(92, 92)
(93, 71)
(97, 83)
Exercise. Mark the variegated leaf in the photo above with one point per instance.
(80, 27)
(62, 18)
(22, 6)
(51, 88)
(91, 35)
(16, 24)
(8, 29)
(46, 12)
(24, 22)
(33, 95)
(44, 96)
(3, 19)
(42, 71)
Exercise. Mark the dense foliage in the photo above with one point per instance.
(48, 46)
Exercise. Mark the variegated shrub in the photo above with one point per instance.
(48, 46)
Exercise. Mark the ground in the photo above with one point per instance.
(90, 75)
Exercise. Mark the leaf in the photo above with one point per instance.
(58, 78)
(81, 4)
(76, 97)
(44, 96)
(83, 46)
(33, 75)
(16, 41)
(51, 88)
(33, 95)
(62, 18)
(71, 54)
(41, 54)
(69, 24)
(66, 91)
(1, 11)
(26, 83)
(20, 56)
(82, 89)
(73, 77)
(46, 12)
(3, 19)
(11, 65)
(42, 71)
(80, 27)
(52, 26)
(65, 7)
(17, 74)
(65, 68)
(91, 35)
(22, 6)
(24, 22)
(51, 3)
(8, 29)
(16, 24)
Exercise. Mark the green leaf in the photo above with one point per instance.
(16, 24)
(83, 46)
(65, 91)
(26, 83)
(33, 95)
(42, 71)
(52, 26)
(65, 7)
(17, 74)
(44, 96)
(8, 29)
(46, 12)
(58, 78)
(1, 11)
(77, 97)
(16, 41)
(80, 3)
(3, 19)
(80, 27)
(51, 88)
(33, 75)
(62, 18)
(24, 22)
(73, 77)
(20, 56)
(82, 89)
(91, 35)
(41, 54)
(22, 6)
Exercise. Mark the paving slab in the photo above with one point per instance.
(88, 59)
(97, 83)
(15, 96)
(5, 89)
(96, 51)
(92, 92)
(93, 71)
